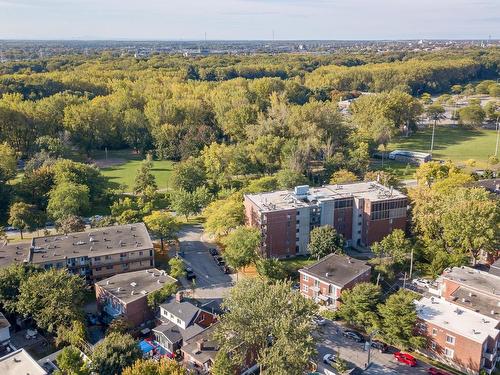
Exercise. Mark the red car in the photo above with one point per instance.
(435, 371)
(405, 358)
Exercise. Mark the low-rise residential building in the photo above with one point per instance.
(199, 351)
(96, 254)
(181, 321)
(125, 295)
(19, 362)
(325, 280)
(363, 212)
(460, 337)
(495, 268)
(472, 289)
(4, 331)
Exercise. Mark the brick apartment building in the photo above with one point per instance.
(125, 295)
(462, 324)
(363, 213)
(325, 280)
(97, 254)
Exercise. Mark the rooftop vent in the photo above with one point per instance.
(132, 293)
(133, 284)
(144, 292)
(107, 282)
(118, 289)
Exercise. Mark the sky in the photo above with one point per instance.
(249, 19)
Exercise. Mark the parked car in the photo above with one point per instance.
(227, 270)
(423, 283)
(213, 251)
(435, 371)
(318, 320)
(329, 359)
(220, 261)
(405, 358)
(190, 275)
(381, 346)
(353, 335)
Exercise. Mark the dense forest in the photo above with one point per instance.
(227, 118)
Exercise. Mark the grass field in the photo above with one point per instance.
(121, 166)
(451, 143)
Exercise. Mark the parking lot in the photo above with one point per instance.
(332, 341)
(211, 281)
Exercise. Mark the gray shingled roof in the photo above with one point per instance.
(184, 310)
(336, 269)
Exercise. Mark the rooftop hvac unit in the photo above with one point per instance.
(301, 190)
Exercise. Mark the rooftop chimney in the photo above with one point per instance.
(179, 296)
(199, 345)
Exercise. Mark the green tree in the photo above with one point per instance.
(159, 296)
(263, 184)
(189, 175)
(119, 325)
(115, 353)
(152, 367)
(223, 215)
(359, 305)
(190, 203)
(70, 362)
(394, 245)
(11, 278)
(288, 178)
(343, 176)
(162, 224)
(241, 247)
(325, 240)
(144, 178)
(52, 298)
(247, 329)
(71, 224)
(177, 268)
(223, 364)
(271, 269)
(398, 318)
(472, 115)
(67, 199)
(25, 217)
(74, 334)
(8, 162)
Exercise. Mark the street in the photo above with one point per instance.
(211, 282)
(332, 341)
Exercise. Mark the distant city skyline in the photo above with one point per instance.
(249, 19)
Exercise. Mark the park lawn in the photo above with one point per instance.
(125, 166)
(451, 143)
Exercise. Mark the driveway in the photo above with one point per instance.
(332, 341)
(211, 282)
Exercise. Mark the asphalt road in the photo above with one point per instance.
(194, 250)
(332, 341)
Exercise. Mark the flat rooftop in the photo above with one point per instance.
(462, 321)
(20, 362)
(130, 286)
(482, 281)
(337, 269)
(287, 199)
(96, 242)
(14, 253)
(479, 302)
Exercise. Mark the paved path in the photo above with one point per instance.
(211, 282)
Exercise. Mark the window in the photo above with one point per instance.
(298, 213)
(433, 345)
(450, 340)
(141, 253)
(109, 267)
(316, 283)
(449, 352)
(179, 321)
(305, 277)
(305, 288)
(97, 259)
(434, 331)
(298, 230)
(107, 257)
(298, 221)
(98, 268)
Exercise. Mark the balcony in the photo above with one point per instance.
(489, 355)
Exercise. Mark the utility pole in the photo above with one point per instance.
(432, 139)
(411, 262)
(404, 282)
(498, 135)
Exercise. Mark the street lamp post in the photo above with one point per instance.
(370, 348)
